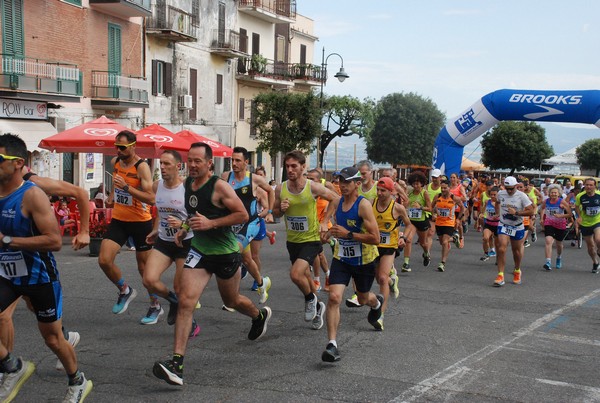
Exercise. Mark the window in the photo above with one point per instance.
(193, 114)
(12, 27)
(219, 89)
(75, 2)
(241, 111)
(302, 54)
(114, 49)
(252, 119)
(280, 49)
(255, 43)
(161, 78)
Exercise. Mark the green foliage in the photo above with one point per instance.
(404, 129)
(286, 121)
(515, 146)
(258, 63)
(345, 116)
(588, 155)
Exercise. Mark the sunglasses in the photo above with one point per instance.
(510, 188)
(123, 147)
(8, 157)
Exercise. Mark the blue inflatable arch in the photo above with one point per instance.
(543, 106)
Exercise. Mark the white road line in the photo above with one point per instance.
(460, 367)
(595, 392)
(572, 339)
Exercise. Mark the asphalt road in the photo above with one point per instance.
(450, 337)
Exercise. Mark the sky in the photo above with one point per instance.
(455, 51)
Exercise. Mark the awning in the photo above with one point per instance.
(31, 131)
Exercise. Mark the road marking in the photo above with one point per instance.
(595, 392)
(572, 339)
(460, 367)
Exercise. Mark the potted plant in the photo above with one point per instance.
(258, 63)
(97, 230)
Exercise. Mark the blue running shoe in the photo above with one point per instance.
(154, 312)
(123, 301)
(558, 263)
(254, 286)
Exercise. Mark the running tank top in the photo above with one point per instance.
(244, 191)
(170, 202)
(350, 251)
(301, 220)
(489, 212)
(445, 208)
(388, 225)
(552, 209)
(126, 207)
(370, 194)
(217, 241)
(416, 213)
(532, 196)
(22, 267)
(433, 193)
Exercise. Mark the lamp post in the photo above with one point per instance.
(341, 76)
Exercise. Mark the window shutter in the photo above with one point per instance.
(154, 77)
(168, 79)
(241, 111)
(219, 89)
(12, 27)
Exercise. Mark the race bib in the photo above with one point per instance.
(349, 249)
(193, 258)
(590, 211)
(12, 265)
(384, 238)
(415, 213)
(553, 211)
(490, 212)
(297, 223)
(123, 197)
(508, 230)
(443, 212)
(170, 232)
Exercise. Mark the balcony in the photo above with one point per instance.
(35, 79)
(273, 11)
(112, 91)
(123, 8)
(226, 43)
(262, 71)
(170, 23)
(307, 74)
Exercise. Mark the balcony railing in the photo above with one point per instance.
(29, 74)
(170, 22)
(226, 43)
(285, 9)
(111, 86)
(123, 8)
(308, 72)
(272, 70)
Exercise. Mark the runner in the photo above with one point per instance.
(458, 190)
(536, 198)
(170, 197)
(29, 234)
(555, 211)
(320, 261)
(388, 213)
(131, 195)
(245, 185)
(433, 188)
(296, 199)
(511, 206)
(368, 188)
(354, 257)
(419, 211)
(587, 205)
(213, 208)
(444, 207)
(490, 220)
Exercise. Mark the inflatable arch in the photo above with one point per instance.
(543, 106)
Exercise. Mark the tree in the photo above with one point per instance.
(404, 130)
(286, 121)
(515, 146)
(588, 155)
(344, 116)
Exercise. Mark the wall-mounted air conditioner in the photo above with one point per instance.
(185, 102)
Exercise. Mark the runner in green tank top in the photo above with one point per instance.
(536, 198)
(296, 198)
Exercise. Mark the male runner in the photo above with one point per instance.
(132, 195)
(29, 233)
(587, 204)
(296, 199)
(512, 205)
(419, 209)
(444, 207)
(245, 184)
(213, 208)
(368, 187)
(354, 257)
(170, 199)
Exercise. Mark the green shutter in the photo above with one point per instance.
(12, 27)
(114, 48)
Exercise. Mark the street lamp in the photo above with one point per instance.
(341, 76)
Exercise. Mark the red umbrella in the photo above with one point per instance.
(186, 138)
(161, 137)
(96, 136)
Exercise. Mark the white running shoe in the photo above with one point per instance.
(78, 393)
(73, 339)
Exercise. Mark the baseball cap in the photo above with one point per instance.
(349, 173)
(386, 183)
(436, 173)
(510, 181)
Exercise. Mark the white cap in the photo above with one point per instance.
(510, 181)
(435, 173)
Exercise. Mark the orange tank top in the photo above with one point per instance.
(444, 209)
(126, 207)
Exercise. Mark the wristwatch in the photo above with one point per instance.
(350, 235)
(6, 240)
(126, 188)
